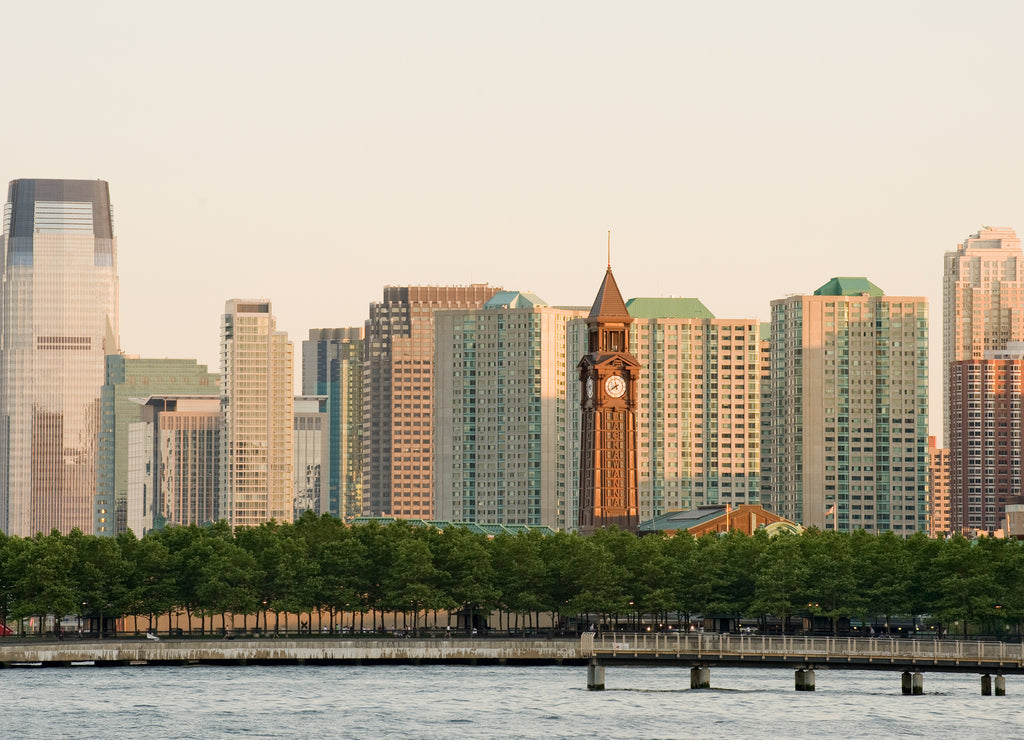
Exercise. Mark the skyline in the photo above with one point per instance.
(408, 145)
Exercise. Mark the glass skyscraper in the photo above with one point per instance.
(58, 299)
(332, 366)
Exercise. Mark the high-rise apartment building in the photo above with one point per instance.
(174, 458)
(398, 387)
(849, 409)
(129, 381)
(500, 412)
(939, 522)
(258, 403)
(699, 408)
(984, 438)
(700, 388)
(312, 455)
(59, 314)
(982, 300)
(332, 366)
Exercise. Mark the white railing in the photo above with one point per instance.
(876, 648)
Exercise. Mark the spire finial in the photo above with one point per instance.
(609, 249)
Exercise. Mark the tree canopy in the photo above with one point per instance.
(320, 566)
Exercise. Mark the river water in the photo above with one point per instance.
(394, 701)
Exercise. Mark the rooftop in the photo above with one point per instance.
(667, 308)
(849, 286)
(515, 299)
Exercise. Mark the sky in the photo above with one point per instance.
(314, 152)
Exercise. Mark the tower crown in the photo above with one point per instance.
(609, 304)
(609, 319)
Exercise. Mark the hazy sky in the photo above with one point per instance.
(313, 152)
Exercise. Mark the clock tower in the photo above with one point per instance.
(608, 449)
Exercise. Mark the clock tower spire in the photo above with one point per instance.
(608, 453)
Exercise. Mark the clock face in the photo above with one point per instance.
(615, 386)
(590, 387)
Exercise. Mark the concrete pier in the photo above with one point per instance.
(912, 684)
(805, 679)
(1000, 685)
(595, 675)
(986, 685)
(700, 677)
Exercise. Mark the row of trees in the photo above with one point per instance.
(325, 572)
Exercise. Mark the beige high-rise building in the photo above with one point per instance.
(398, 387)
(258, 404)
(698, 428)
(848, 440)
(938, 490)
(982, 300)
(500, 412)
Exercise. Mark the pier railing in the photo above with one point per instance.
(828, 649)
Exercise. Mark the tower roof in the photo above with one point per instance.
(849, 286)
(609, 303)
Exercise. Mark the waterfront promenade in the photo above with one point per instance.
(699, 651)
(965, 656)
(702, 651)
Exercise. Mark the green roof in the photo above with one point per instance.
(679, 520)
(849, 286)
(515, 299)
(668, 308)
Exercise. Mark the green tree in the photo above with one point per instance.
(883, 572)
(41, 574)
(467, 579)
(689, 591)
(830, 575)
(780, 579)
(519, 570)
(101, 574)
(150, 587)
(409, 583)
(965, 583)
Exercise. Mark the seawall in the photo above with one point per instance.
(312, 651)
